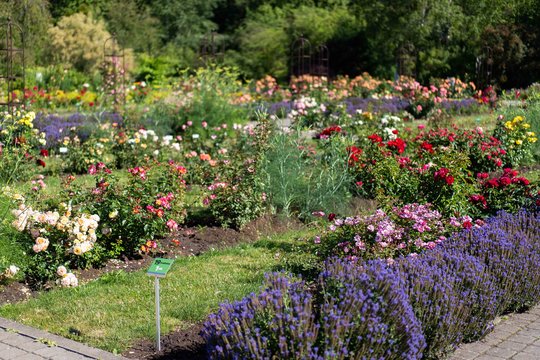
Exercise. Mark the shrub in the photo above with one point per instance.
(134, 214)
(18, 141)
(78, 40)
(518, 139)
(210, 93)
(300, 180)
(277, 322)
(362, 313)
(506, 191)
(237, 194)
(509, 246)
(365, 313)
(402, 231)
(452, 297)
(57, 238)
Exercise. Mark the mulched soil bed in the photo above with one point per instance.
(182, 344)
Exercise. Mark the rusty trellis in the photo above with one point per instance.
(210, 51)
(301, 57)
(321, 63)
(484, 67)
(115, 71)
(12, 65)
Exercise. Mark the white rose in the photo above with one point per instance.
(61, 271)
(11, 271)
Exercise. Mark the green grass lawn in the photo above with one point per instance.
(117, 309)
(486, 120)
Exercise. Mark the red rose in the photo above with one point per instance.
(397, 144)
(492, 183)
(44, 152)
(505, 181)
(354, 154)
(449, 179)
(427, 146)
(375, 138)
(482, 175)
(40, 162)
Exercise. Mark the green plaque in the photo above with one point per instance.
(160, 267)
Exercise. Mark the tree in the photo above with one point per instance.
(78, 41)
(34, 18)
(133, 25)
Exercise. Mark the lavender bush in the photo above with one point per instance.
(452, 296)
(419, 306)
(509, 245)
(363, 315)
(366, 314)
(277, 322)
(56, 127)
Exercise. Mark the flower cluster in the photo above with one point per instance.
(405, 230)
(503, 191)
(79, 232)
(443, 174)
(66, 279)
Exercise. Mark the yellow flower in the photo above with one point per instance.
(509, 125)
(532, 139)
(519, 142)
(530, 133)
(525, 125)
(77, 250)
(517, 119)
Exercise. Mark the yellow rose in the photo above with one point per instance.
(519, 142)
(509, 125)
(532, 139)
(77, 250)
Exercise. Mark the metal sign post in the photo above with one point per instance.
(158, 322)
(159, 269)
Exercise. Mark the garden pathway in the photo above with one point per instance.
(21, 342)
(516, 337)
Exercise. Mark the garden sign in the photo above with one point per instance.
(158, 269)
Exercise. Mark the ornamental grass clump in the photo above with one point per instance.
(509, 245)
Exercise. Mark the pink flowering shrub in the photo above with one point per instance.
(136, 214)
(237, 194)
(405, 230)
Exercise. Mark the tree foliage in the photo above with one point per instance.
(78, 40)
(433, 38)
